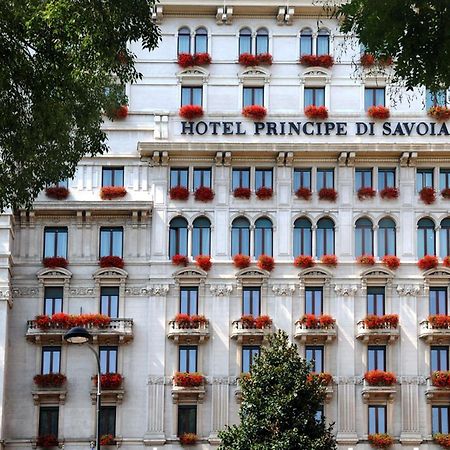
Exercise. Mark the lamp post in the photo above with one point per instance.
(79, 335)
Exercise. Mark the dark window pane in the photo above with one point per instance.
(48, 420)
(108, 420)
(53, 300)
(187, 419)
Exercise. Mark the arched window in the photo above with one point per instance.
(364, 237)
(240, 236)
(263, 237)
(306, 42)
(201, 237)
(184, 40)
(386, 237)
(445, 238)
(325, 237)
(245, 41)
(323, 42)
(302, 237)
(425, 238)
(201, 41)
(178, 237)
(262, 41)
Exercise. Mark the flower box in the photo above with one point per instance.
(365, 260)
(111, 261)
(316, 112)
(303, 193)
(380, 378)
(179, 193)
(204, 194)
(57, 192)
(180, 260)
(264, 193)
(255, 112)
(365, 193)
(47, 441)
(247, 59)
(312, 322)
(188, 439)
(241, 261)
(442, 439)
(242, 192)
(66, 321)
(55, 261)
(185, 60)
(264, 59)
(329, 194)
(378, 112)
(191, 322)
(427, 195)
(446, 261)
(107, 439)
(109, 380)
(391, 262)
(441, 379)
(380, 440)
(389, 193)
(190, 112)
(304, 261)
(259, 322)
(202, 59)
(445, 193)
(266, 262)
(185, 379)
(440, 113)
(117, 112)
(49, 380)
(329, 260)
(373, 322)
(428, 262)
(323, 378)
(367, 60)
(326, 61)
(111, 192)
(439, 321)
(204, 262)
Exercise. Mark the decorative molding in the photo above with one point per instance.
(137, 291)
(345, 290)
(415, 379)
(221, 290)
(25, 292)
(408, 290)
(158, 290)
(283, 289)
(81, 292)
(159, 380)
(349, 380)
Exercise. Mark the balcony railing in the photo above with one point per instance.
(319, 333)
(245, 333)
(432, 333)
(116, 332)
(182, 333)
(375, 393)
(384, 333)
(438, 391)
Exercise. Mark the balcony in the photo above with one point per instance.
(250, 330)
(117, 331)
(315, 330)
(379, 386)
(438, 387)
(188, 387)
(189, 330)
(378, 329)
(112, 390)
(435, 330)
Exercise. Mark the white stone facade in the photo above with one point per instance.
(147, 144)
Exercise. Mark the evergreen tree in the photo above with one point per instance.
(279, 404)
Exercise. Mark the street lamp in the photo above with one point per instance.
(79, 335)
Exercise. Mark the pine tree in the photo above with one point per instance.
(279, 404)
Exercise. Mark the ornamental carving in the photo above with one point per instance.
(159, 380)
(410, 290)
(137, 291)
(420, 380)
(25, 292)
(158, 290)
(82, 292)
(283, 289)
(345, 291)
(221, 290)
(348, 380)
(5, 295)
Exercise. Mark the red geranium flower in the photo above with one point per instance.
(389, 193)
(428, 262)
(441, 379)
(326, 61)
(446, 193)
(55, 261)
(107, 439)
(179, 193)
(202, 59)
(329, 260)
(180, 260)
(379, 112)
(328, 194)
(204, 194)
(380, 440)
(442, 439)
(304, 261)
(57, 192)
(47, 441)
(110, 192)
(366, 192)
(380, 378)
(324, 378)
(262, 322)
(204, 262)
(264, 193)
(367, 60)
(185, 379)
(109, 380)
(427, 195)
(255, 112)
(242, 192)
(191, 112)
(185, 60)
(391, 261)
(316, 112)
(111, 261)
(264, 59)
(241, 261)
(440, 113)
(266, 262)
(49, 380)
(247, 59)
(439, 321)
(366, 260)
(188, 439)
(446, 261)
(303, 193)
(373, 322)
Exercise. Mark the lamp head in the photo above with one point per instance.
(77, 335)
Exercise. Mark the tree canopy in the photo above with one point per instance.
(279, 404)
(415, 33)
(63, 64)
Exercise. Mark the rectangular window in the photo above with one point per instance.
(424, 178)
(374, 97)
(375, 301)
(376, 357)
(314, 355)
(202, 177)
(111, 241)
(319, 416)
(191, 95)
(439, 358)
(314, 300)
(253, 96)
(440, 419)
(263, 178)
(377, 419)
(249, 353)
(107, 420)
(240, 178)
(112, 176)
(179, 177)
(189, 300)
(251, 301)
(187, 358)
(51, 360)
(53, 300)
(438, 300)
(109, 301)
(325, 179)
(444, 179)
(302, 179)
(436, 98)
(48, 420)
(55, 242)
(187, 419)
(108, 359)
(386, 178)
(363, 178)
(314, 96)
